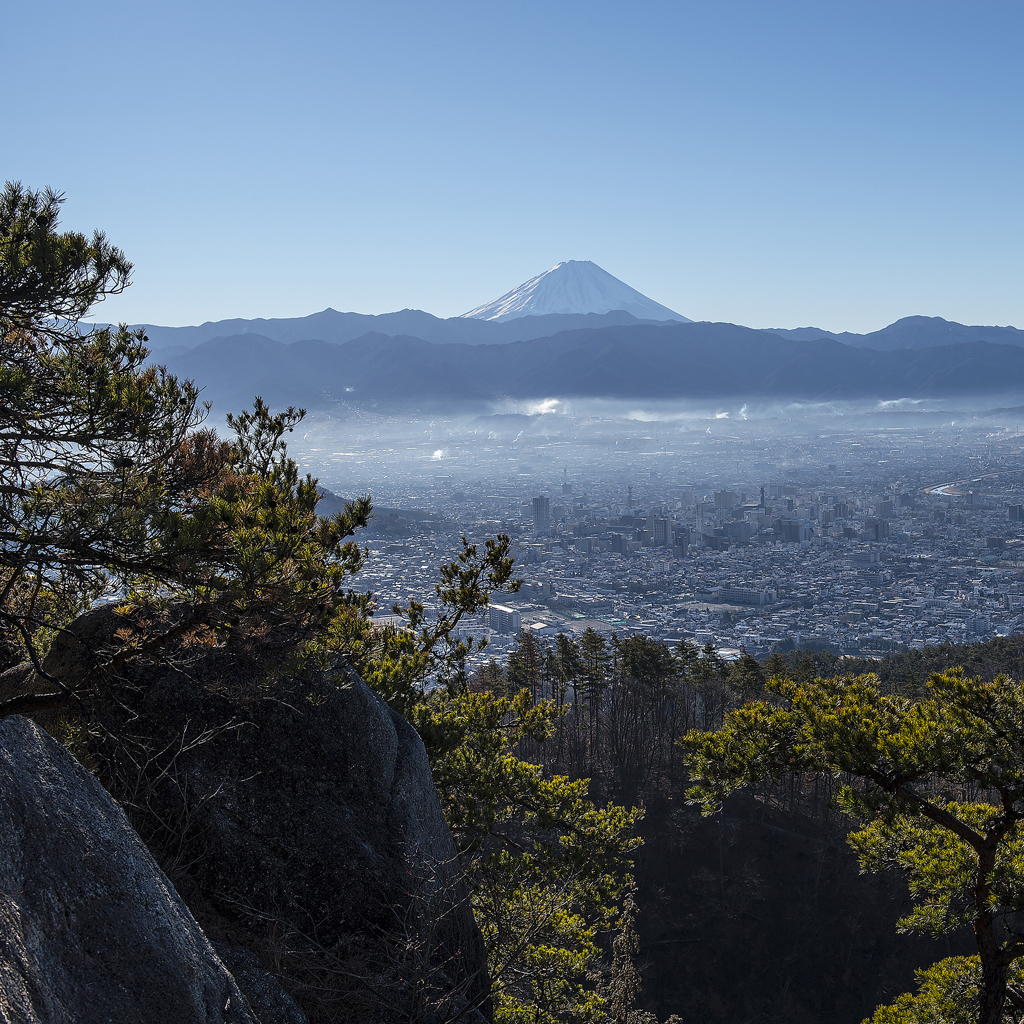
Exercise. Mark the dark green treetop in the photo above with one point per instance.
(937, 782)
(108, 483)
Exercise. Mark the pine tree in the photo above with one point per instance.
(109, 486)
(595, 659)
(938, 784)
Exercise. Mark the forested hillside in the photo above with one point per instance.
(908, 671)
(769, 883)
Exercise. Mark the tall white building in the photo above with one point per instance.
(503, 619)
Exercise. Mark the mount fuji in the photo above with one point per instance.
(575, 286)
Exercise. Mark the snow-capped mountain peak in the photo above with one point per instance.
(575, 286)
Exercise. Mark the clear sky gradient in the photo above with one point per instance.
(836, 164)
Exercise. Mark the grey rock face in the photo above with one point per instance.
(91, 931)
(269, 1002)
(307, 821)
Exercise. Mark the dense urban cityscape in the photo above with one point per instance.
(895, 532)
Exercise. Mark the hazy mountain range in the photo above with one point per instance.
(576, 331)
(332, 326)
(639, 361)
(911, 332)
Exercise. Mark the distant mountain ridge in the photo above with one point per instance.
(573, 294)
(576, 331)
(634, 361)
(910, 332)
(331, 326)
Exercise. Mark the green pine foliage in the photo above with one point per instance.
(937, 783)
(947, 993)
(109, 486)
(546, 868)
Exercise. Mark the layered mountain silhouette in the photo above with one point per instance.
(576, 331)
(629, 361)
(573, 295)
(911, 332)
(330, 325)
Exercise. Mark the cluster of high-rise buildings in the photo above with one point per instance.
(860, 573)
(859, 541)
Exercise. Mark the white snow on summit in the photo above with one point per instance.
(576, 286)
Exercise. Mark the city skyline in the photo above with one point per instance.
(861, 537)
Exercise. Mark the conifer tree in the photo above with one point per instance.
(108, 484)
(938, 785)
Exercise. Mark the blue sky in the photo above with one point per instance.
(771, 164)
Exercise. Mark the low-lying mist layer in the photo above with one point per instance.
(533, 447)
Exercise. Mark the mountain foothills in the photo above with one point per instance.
(635, 361)
(911, 332)
(330, 325)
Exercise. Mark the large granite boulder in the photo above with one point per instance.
(91, 931)
(299, 820)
